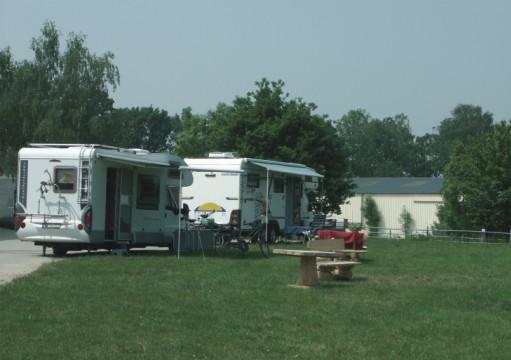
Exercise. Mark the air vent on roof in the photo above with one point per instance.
(223, 155)
(139, 151)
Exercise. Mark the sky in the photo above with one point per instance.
(417, 57)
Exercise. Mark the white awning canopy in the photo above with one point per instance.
(285, 168)
(141, 160)
(204, 169)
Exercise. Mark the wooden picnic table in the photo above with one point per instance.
(336, 245)
(308, 273)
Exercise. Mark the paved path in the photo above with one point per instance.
(18, 258)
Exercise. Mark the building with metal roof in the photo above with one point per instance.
(420, 196)
(398, 185)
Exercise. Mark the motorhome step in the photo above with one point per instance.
(121, 249)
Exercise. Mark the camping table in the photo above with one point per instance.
(308, 273)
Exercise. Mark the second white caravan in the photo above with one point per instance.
(224, 183)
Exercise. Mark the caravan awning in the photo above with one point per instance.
(285, 168)
(210, 169)
(140, 160)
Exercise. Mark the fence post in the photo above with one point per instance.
(483, 235)
(510, 236)
(390, 234)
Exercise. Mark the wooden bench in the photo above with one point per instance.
(308, 276)
(335, 270)
(336, 245)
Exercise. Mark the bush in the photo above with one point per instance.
(406, 221)
(371, 213)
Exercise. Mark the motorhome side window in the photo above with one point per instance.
(173, 174)
(278, 186)
(253, 180)
(173, 197)
(148, 195)
(65, 180)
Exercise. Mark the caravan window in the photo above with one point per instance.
(65, 180)
(148, 194)
(173, 174)
(278, 185)
(253, 180)
(173, 198)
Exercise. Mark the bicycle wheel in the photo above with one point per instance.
(219, 240)
(262, 239)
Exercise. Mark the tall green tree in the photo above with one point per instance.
(53, 97)
(7, 123)
(267, 123)
(477, 185)
(467, 122)
(422, 163)
(378, 147)
(194, 139)
(146, 128)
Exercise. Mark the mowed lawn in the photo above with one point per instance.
(408, 300)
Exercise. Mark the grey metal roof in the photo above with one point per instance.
(398, 185)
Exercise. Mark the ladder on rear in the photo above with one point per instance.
(85, 174)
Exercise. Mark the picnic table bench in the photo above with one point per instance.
(336, 270)
(330, 268)
(336, 245)
(309, 268)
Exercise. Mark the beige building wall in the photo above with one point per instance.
(422, 207)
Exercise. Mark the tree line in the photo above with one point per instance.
(64, 96)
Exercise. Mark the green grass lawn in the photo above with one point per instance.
(409, 299)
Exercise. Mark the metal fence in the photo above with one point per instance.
(482, 236)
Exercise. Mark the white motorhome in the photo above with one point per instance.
(74, 196)
(224, 182)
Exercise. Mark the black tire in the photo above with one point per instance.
(59, 250)
(243, 247)
(262, 240)
(272, 234)
(219, 240)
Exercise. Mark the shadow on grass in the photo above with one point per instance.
(343, 283)
(232, 254)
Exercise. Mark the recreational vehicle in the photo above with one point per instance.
(224, 183)
(74, 197)
(7, 188)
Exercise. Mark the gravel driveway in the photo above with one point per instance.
(18, 258)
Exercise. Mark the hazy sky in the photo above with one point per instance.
(419, 57)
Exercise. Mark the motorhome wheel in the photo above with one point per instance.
(272, 234)
(59, 250)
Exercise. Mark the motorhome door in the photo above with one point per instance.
(125, 204)
(119, 198)
(293, 201)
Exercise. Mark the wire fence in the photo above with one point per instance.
(470, 236)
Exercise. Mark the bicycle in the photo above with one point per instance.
(228, 237)
(263, 235)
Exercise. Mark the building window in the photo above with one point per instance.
(253, 180)
(278, 186)
(148, 196)
(65, 180)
